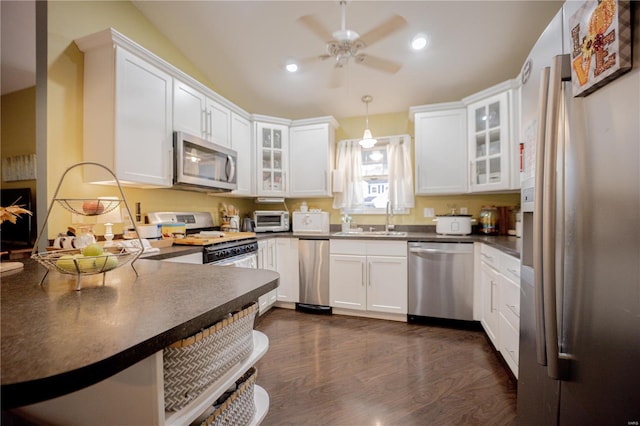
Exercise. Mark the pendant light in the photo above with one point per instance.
(367, 139)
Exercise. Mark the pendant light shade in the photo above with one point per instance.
(367, 138)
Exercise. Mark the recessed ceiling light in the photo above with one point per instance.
(419, 42)
(292, 67)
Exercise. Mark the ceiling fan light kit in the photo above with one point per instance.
(367, 138)
(345, 43)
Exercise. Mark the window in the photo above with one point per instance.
(369, 177)
(375, 176)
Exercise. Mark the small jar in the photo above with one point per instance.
(489, 220)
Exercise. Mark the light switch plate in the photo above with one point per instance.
(429, 212)
(463, 210)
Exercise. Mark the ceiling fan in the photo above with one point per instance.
(345, 44)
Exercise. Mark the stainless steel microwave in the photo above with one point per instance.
(201, 165)
(271, 221)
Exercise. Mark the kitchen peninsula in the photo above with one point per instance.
(56, 340)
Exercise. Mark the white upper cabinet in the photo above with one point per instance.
(188, 109)
(311, 153)
(241, 143)
(199, 115)
(272, 158)
(441, 149)
(218, 121)
(489, 143)
(127, 112)
(492, 117)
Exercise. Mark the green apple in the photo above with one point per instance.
(66, 263)
(85, 264)
(93, 250)
(106, 263)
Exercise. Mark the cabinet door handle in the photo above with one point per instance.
(203, 125)
(364, 275)
(492, 285)
(514, 309)
(486, 256)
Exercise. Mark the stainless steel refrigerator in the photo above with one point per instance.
(579, 357)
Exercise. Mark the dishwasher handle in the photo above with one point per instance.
(435, 251)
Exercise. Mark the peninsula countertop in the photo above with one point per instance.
(56, 340)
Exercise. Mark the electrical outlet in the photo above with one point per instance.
(429, 212)
(463, 210)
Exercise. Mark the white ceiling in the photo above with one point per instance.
(242, 47)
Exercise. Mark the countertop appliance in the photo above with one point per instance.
(271, 221)
(313, 261)
(241, 252)
(201, 165)
(580, 298)
(453, 224)
(440, 281)
(310, 222)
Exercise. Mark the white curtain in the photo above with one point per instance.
(400, 173)
(349, 175)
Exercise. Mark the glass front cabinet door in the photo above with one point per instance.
(489, 144)
(272, 144)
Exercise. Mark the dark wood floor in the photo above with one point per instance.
(340, 370)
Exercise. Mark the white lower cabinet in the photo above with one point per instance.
(288, 268)
(490, 321)
(135, 396)
(369, 276)
(500, 306)
(267, 260)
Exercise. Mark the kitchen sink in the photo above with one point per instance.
(371, 234)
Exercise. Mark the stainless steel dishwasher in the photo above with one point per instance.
(313, 255)
(441, 281)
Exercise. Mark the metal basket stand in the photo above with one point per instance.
(70, 204)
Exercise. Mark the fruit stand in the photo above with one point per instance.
(87, 257)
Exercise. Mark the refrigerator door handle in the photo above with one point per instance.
(554, 368)
(538, 218)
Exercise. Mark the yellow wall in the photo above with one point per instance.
(70, 20)
(19, 131)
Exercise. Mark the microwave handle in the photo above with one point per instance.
(230, 168)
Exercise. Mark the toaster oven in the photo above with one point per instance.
(271, 221)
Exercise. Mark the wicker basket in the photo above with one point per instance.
(191, 365)
(238, 408)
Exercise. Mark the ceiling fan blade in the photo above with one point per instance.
(380, 64)
(386, 28)
(315, 27)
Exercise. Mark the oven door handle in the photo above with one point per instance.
(232, 261)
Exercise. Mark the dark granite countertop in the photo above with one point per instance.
(507, 244)
(56, 340)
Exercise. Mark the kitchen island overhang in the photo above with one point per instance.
(56, 340)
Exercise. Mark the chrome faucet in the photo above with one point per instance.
(389, 213)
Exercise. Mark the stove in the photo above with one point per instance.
(232, 250)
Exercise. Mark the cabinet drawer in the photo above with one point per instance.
(510, 345)
(490, 256)
(510, 302)
(387, 248)
(357, 247)
(510, 267)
